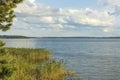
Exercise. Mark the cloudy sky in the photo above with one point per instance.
(61, 18)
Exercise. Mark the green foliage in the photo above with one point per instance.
(6, 68)
(2, 43)
(7, 13)
(35, 64)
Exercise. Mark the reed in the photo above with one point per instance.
(34, 64)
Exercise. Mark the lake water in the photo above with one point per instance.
(92, 59)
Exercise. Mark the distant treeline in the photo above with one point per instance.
(13, 36)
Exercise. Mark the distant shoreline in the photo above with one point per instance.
(13, 37)
(22, 37)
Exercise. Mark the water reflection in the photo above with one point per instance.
(20, 43)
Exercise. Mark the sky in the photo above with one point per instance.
(67, 18)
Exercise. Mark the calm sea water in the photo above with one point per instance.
(92, 59)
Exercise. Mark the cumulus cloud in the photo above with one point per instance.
(92, 17)
(32, 14)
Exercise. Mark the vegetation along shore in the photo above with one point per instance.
(30, 64)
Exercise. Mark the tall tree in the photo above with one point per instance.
(7, 13)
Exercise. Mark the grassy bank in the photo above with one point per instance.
(31, 64)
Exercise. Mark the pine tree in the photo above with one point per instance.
(6, 19)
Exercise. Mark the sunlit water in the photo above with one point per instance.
(92, 59)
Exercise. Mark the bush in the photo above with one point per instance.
(6, 68)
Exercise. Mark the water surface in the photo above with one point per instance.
(92, 59)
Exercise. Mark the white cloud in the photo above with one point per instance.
(32, 1)
(106, 30)
(31, 13)
(57, 26)
(47, 19)
(93, 17)
(113, 9)
(112, 6)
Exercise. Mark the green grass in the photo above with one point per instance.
(34, 64)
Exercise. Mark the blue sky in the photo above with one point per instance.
(69, 3)
(66, 18)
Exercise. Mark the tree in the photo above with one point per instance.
(7, 13)
(6, 19)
